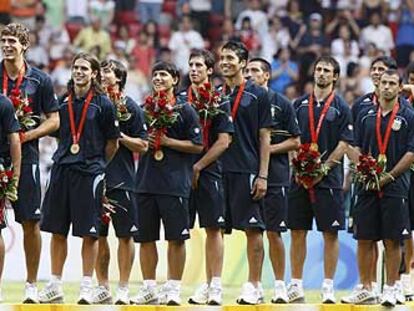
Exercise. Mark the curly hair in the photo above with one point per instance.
(19, 31)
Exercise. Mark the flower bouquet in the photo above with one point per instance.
(8, 190)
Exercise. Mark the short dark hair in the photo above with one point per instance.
(95, 66)
(266, 67)
(410, 69)
(208, 57)
(19, 31)
(388, 61)
(329, 60)
(119, 69)
(237, 47)
(393, 72)
(168, 67)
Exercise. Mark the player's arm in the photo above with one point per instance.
(135, 144)
(402, 166)
(110, 149)
(186, 146)
(260, 184)
(50, 125)
(336, 155)
(15, 153)
(290, 144)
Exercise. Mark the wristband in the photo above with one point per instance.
(261, 177)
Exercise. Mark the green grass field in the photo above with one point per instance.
(13, 293)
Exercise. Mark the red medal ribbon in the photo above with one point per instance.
(6, 79)
(411, 99)
(383, 144)
(236, 103)
(159, 132)
(190, 94)
(76, 134)
(315, 134)
(374, 99)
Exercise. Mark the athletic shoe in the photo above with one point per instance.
(173, 296)
(102, 296)
(328, 294)
(146, 296)
(86, 295)
(295, 293)
(51, 293)
(30, 293)
(215, 296)
(388, 296)
(407, 287)
(261, 292)
(200, 296)
(280, 293)
(399, 293)
(122, 296)
(249, 295)
(360, 296)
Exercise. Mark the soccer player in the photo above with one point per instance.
(246, 162)
(325, 122)
(10, 155)
(120, 185)
(32, 84)
(88, 140)
(285, 138)
(164, 185)
(385, 131)
(207, 197)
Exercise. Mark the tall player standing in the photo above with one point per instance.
(20, 78)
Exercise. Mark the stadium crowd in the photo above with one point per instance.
(91, 62)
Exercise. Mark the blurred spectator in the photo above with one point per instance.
(165, 55)
(77, 11)
(118, 53)
(151, 28)
(102, 9)
(228, 31)
(200, 12)
(310, 6)
(123, 36)
(43, 30)
(377, 33)
(61, 73)
(350, 82)
(278, 7)
(249, 37)
(137, 86)
(405, 35)
(149, 10)
(5, 11)
(291, 92)
(55, 13)
(312, 40)
(284, 71)
(37, 55)
(294, 18)
(344, 49)
(94, 39)
(257, 17)
(277, 37)
(342, 18)
(143, 54)
(370, 7)
(25, 11)
(59, 41)
(182, 42)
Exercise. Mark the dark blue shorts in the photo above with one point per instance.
(73, 198)
(411, 200)
(208, 202)
(125, 218)
(378, 219)
(275, 209)
(353, 191)
(27, 207)
(171, 210)
(328, 210)
(242, 212)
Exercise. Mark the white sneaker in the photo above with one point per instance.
(407, 287)
(162, 295)
(147, 295)
(249, 295)
(30, 293)
(388, 296)
(280, 293)
(261, 292)
(399, 293)
(51, 293)
(295, 294)
(102, 296)
(328, 294)
(200, 296)
(122, 296)
(360, 296)
(173, 296)
(86, 295)
(215, 296)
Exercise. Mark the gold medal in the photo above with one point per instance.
(382, 159)
(74, 149)
(158, 155)
(314, 146)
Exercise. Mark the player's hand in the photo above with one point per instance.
(152, 138)
(196, 176)
(259, 188)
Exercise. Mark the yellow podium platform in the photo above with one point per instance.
(265, 307)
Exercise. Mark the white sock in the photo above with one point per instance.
(328, 282)
(150, 283)
(279, 282)
(215, 281)
(56, 279)
(297, 282)
(86, 281)
(175, 283)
